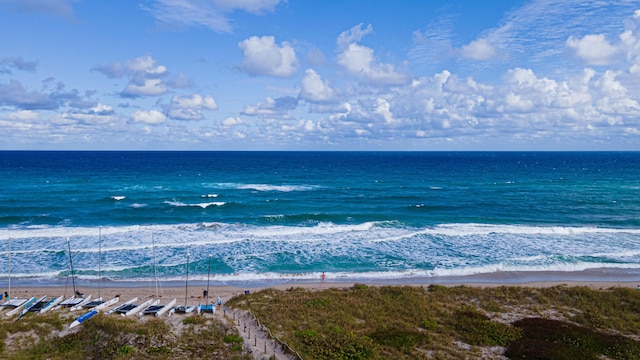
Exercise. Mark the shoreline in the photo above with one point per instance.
(595, 279)
(515, 278)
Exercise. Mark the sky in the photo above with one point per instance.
(370, 75)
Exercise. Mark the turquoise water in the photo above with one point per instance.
(282, 216)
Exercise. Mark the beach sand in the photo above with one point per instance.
(195, 293)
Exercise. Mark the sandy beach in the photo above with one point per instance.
(195, 292)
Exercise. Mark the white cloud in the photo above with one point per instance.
(593, 49)
(144, 74)
(314, 88)
(23, 115)
(479, 49)
(211, 14)
(152, 117)
(190, 107)
(272, 108)
(358, 60)
(232, 121)
(264, 57)
(148, 87)
(355, 34)
(145, 64)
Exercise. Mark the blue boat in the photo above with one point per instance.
(86, 316)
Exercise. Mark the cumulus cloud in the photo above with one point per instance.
(99, 114)
(593, 49)
(232, 121)
(144, 74)
(17, 63)
(272, 108)
(23, 115)
(262, 56)
(14, 94)
(479, 49)
(190, 107)
(314, 89)
(211, 14)
(152, 117)
(359, 60)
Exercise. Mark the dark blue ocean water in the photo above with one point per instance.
(277, 216)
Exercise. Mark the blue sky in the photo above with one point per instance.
(319, 75)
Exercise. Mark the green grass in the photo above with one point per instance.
(363, 322)
(114, 337)
(403, 322)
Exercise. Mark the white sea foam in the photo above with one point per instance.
(379, 249)
(118, 197)
(202, 205)
(268, 187)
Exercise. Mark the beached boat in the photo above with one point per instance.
(13, 303)
(84, 317)
(52, 304)
(156, 308)
(159, 310)
(20, 306)
(124, 307)
(185, 309)
(29, 305)
(82, 302)
(207, 308)
(40, 304)
(99, 305)
(140, 307)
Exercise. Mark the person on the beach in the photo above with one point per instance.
(323, 276)
(219, 301)
(6, 296)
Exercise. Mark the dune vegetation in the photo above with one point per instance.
(438, 322)
(362, 322)
(114, 337)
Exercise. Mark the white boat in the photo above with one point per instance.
(84, 301)
(123, 306)
(207, 308)
(138, 308)
(27, 306)
(185, 309)
(166, 308)
(52, 304)
(19, 307)
(106, 304)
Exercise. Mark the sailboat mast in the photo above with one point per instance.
(99, 260)
(186, 286)
(73, 277)
(9, 268)
(155, 269)
(208, 274)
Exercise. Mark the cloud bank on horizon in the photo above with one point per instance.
(308, 75)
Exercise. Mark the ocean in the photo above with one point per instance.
(243, 218)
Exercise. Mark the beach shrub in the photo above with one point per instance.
(477, 329)
(552, 339)
(336, 344)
